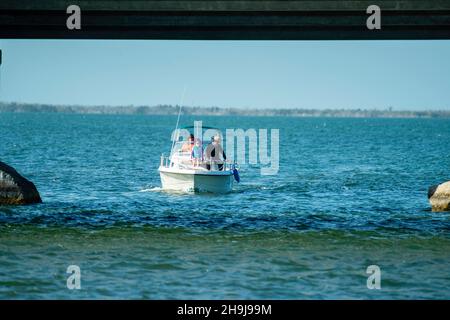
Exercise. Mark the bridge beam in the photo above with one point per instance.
(226, 20)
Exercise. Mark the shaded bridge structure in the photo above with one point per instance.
(225, 19)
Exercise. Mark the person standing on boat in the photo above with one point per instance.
(215, 153)
(188, 145)
(197, 153)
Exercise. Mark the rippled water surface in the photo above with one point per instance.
(349, 193)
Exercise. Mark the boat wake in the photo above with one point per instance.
(154, 189)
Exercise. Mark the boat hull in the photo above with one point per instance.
(192, 181)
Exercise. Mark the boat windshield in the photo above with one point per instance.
(207, 132)
(178, 147)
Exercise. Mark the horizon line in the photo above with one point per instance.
(390, 109)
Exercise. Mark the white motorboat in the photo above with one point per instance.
(180, 172)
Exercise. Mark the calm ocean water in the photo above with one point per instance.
(350, 193)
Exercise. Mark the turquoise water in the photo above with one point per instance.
(349, 193)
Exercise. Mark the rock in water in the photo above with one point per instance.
(15, 189)
(439, 196)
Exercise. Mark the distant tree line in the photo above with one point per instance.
(194, 110)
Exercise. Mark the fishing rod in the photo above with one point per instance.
(178, 120)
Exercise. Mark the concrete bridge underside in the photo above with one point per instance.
(226, 20)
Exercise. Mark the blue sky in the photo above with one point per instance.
(258, 74)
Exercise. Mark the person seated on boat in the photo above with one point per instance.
(197, 153)
(215, 153)
(188, 145)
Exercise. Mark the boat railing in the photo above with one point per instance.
(167, 162)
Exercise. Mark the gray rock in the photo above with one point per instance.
(439, 197)
(15, 189)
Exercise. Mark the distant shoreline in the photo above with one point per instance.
(218, 111)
